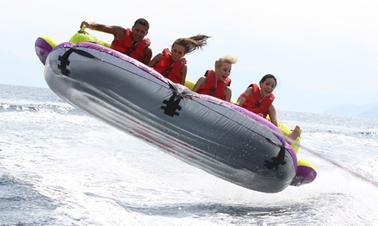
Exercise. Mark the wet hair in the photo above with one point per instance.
(192, 43)
(267, 76)
(143, 22)
(225, 59)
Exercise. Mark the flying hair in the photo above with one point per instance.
(192, 43)
(226, 59)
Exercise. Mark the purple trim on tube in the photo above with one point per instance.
(148, 69)
(42, 49)
(122, 57)
(304, 175)
(65, 44)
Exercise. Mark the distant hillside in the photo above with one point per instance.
(366, 111)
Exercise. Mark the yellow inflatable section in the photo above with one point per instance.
(304, 162)
(285, 130)
(189, 84)
(83, 36)
(50, 41)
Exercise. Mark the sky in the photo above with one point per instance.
(324, 53)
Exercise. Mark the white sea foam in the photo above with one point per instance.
(60, 166)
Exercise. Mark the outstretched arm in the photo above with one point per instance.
(273, 115)
(147, 56)
(155, 60)
(228, 93)
(183, 75)
(242, 97)
(117, 31)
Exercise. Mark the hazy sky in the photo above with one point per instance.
(324, 53)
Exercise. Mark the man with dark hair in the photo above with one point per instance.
(131, 42)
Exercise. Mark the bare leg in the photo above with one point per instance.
(296, 132)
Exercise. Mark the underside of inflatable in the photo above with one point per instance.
(216, 136)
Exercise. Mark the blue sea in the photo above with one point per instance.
(61, 166)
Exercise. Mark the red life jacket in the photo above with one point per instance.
(256, 103)
(169, 68)
(213, 86)
(125, 45)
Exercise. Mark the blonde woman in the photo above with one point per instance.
(216, 82)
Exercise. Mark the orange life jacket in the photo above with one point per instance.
(213, 86)
(256, 103)
(127, 46)
(169, 68)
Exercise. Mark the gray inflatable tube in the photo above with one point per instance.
(213, 135)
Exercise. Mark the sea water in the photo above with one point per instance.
(61, 166)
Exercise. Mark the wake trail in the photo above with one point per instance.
(334, 163)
